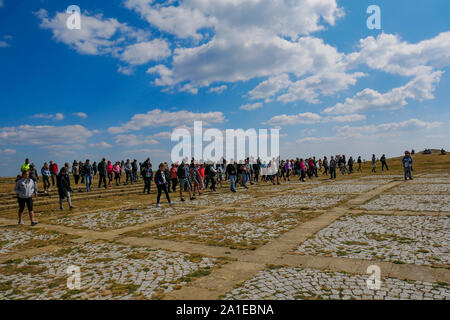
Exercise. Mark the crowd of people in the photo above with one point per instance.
(192, 177)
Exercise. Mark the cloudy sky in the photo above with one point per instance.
(137, 69)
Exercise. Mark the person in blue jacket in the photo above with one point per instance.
(407, 165)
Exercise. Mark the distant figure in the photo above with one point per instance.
(359, 164)
(64, 189)
(332, 168)
(413, 152)
(407, 165)
(374, 163)
(443, 152)
(384, 163)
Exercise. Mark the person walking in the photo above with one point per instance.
(325, 166)
(64, 189)
(332, 168)
(87, 169)
(26, 189)
(148, 175)
(128, 172)
(109, 172)
(231, 172)
(116, 171)
(102, 171)
(94, 168)
(350, 165)
(161, 183)
(76, 172)
(33, 173)
(184, 180)
(407, 165)
(374, 163)
(302, 170)
(174, 177)
(54, 172)
(134, 171)
(359, 164)
(25, 166)
(384, 163)
(45, 172)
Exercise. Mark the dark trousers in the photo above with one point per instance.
(54, 175)
(147, 184)
(174, 184)
(161, 188)
(384, 164)
(102, 177)
(325, 172)
(129, 177)
(76, 178)
(302, 175)
(46, 181)
(332, 173)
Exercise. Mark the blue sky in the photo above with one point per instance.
(137, 69)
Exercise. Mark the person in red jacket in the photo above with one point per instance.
(54, 172)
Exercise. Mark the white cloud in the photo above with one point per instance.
(158, 118)
(134, 140)
(311, 118)
(218, 90)
(1, 3)
(250, 107)
(7, 152)
(420, 88)
(143, 52)
(81, 115)
(100, 145)
(44, 135)
(163, 135)
(381, 130)
(55, 117)
(388, 53)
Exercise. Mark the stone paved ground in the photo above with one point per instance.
(296, 240)
(300, 284)
(109, 271)
(107, 220)
(237, 229)
(420, 240)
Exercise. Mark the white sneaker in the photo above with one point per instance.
(158, 205)
(21, 222)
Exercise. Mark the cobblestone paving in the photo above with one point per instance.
(421, 188)
(108, 271)
(411, 202)
(342, 188)
(240, 229)
(442, 179)
(222, 199)
(307, 201)
(17, 238)
(106, 220)
(297, 283)
(420, 240)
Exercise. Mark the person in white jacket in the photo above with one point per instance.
(25, 189)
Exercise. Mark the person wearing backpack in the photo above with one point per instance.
(147, 176)
(183, 174)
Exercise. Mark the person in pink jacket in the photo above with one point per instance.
(109, 171)
(302, 170)
(117, 173)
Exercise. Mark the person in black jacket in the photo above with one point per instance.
(161, 184)
(102, 173)
(232, 171)
(64, 189)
